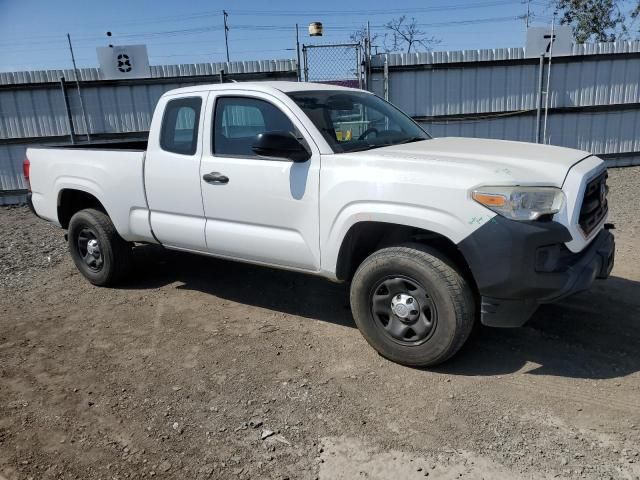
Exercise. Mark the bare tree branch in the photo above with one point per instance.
(405, 33)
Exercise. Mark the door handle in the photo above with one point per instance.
(215, 178)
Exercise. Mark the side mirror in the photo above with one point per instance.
(280, 145)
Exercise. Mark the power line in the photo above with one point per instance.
(371, 12)
(222, 52)
(306, 13)
(92, 45)
(283, 28)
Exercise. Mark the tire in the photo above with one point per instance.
(109, 259)
(417, 336)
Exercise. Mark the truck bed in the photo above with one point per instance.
(112, 172)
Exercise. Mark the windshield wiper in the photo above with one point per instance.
(390, 144)
(411, 139)
(362, 149)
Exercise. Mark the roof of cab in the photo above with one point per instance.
(280, 86)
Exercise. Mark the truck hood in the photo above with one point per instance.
(500, 161)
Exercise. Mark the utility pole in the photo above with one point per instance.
(298, 52)
(368, 53)
(75, 71)
(226, 33)
(528, 12)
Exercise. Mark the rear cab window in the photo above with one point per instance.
(179, 131)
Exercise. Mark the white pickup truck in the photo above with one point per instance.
(432, 234)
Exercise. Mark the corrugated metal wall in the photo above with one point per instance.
(489, 89)
(157, 71)
(29, 113)
(11, 158)
(594, 100)
(32, 109)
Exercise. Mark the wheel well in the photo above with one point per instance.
(364, 238)
(72, 201)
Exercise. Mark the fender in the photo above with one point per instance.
(48, 210)
(132, 224)
(436, 220)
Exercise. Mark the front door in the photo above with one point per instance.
(262, 210)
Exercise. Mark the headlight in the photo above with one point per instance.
(520, 203)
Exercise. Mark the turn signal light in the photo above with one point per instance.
(489, 200)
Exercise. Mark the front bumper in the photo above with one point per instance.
(519, 265)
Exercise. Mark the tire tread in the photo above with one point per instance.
(460, 292)
(122, 253)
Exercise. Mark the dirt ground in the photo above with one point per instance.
(198, 368)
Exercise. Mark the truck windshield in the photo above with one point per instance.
(354, 121)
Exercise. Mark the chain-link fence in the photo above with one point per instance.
(338, 64)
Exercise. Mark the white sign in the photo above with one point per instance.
(539, 41)
(124, 61)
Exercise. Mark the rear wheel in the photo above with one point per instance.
(412, 305)
(99, 252)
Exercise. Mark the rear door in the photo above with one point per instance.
(264, 210)
(172, 172)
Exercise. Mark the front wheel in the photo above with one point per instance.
(99, 252)
(412, 305)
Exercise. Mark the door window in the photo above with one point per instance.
(179, 132)
(239, 120)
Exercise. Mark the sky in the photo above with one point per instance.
(33, 32)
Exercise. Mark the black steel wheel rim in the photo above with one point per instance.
(89, 249)
(403, 309)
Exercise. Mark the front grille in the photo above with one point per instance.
(594, 204)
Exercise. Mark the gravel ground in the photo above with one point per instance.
(624, 196)
(199, 368)
(27, 246)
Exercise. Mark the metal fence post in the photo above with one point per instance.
(306, 64)
(539, 106)
(65, 98)
(545, 139)
(359, 69)
(365, 65)
(385, 81)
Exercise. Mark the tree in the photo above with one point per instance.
(602, 20)
(403, 33)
